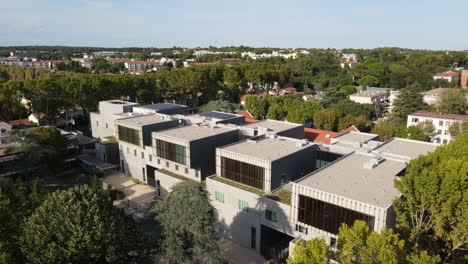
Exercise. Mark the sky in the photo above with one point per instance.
(416, 24)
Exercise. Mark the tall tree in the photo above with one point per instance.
(326, 119)
(188, 221)
(82, 226)
(452, 101)
(386, 129)
(432, 213)
(408, 101)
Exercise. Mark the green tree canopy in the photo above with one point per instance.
(408, 101)
(188, 222)
(432, 213)
(386, 129)
(218, 105)
(452, 101)
(326, 119)
(348, 90)
(370, 81)
(314, 251)
(81, 226)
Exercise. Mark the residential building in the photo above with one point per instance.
(440, 121)
(431, 97)
(380, 100)
(449, 76)
(348, 57)
(269, 126)
(349, 64)
(137, 66)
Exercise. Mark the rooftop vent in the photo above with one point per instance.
(373, 162)
(357, 144)
(373, 143)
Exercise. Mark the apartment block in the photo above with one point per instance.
(440, 121)
(102, 121)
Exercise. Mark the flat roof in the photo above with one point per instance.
(143, 120)
(267, 148)
(408, 148)
(439, 115)
(190, 133)
(273, 125)
(348, 178)
(353, 136)
(217, 115)
(119, 102)
(162, 106)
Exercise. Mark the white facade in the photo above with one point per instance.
(449, 76)
(440, 121)
(102, 122)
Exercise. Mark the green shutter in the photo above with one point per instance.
(219, 196)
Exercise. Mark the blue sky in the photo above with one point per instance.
(424, 24)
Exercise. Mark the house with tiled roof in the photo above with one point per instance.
(248, 117)
(440, 121)
(449, 76)
(349, 64)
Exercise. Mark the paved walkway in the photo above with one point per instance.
(138, 197)
(236, 254)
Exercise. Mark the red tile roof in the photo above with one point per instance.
(203, 63)
(351, 62)
(447, 74)
(289, 89)
(20, 122)
(440, 115)
(318, 135)
(248, 118)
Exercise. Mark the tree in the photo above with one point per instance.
(42, 148)
(81, 225)
(314, 251)
(452, 101)
(17, 202)
(412, 132)
(218, 105)
(276, 112)
(360, 123)
(10, 106)
(408, 101)
(356, 109)
(386, 129)
(188, 223)
(348, 90)
(428, 128)
(368, 81)
(357, 244)
(258, 107)
(457, 128)
(100, 65)
(432, 211)
(326, 119)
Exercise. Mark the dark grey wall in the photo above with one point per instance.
(235, 120)
(148, 129)
(173, 111)
(203, 151)
(297, 132)
(293, 166)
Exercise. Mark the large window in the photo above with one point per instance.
(328, 217)
(129, 135)
(243, 172)
(170, 151)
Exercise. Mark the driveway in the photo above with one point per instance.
(236, 254)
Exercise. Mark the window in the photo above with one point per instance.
(270, 215)
(170, 151)
(129, 135)
(107, 126)
(176, 167)
(253, 237)
(414, 120)
(97, 123)
(243, 172)
(439, 131)
(186, 171)
(167, 164)
(142, 155)
(447, 123)
(323, 158)
(328, 217)
(333, 243)
(302, 229)
(446, 132)
(144, 174)
(219, 196)
(243, 205)
(128, 150)
(444, 141)
(441, 123)
(150, 157)
(135, 152)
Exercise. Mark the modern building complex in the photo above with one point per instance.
(269, 185)
(440, 121)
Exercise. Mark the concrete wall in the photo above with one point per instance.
(133, 164)
(235, 224)
(295, 132)
(166, 183)
(149, 129)
(102, 122)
